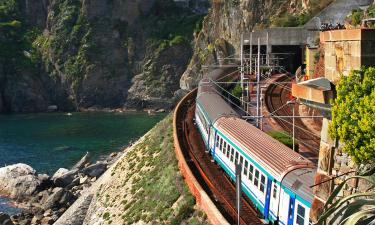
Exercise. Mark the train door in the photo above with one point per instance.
(283, 208)
(212, 139)
(292, 202)
(301, 213)
(267, 200)
(274, 199)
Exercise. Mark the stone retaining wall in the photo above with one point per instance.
(202, 199)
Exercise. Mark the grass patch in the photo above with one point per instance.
(284, 138)
(157, 193)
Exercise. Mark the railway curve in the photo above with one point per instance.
(204, 178)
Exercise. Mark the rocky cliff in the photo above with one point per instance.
(227, 20)
(89, 53)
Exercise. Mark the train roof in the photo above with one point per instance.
(300, 181)
(213, 105)
(220, 72)
(272, 155)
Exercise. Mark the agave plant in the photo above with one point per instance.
(355, 209)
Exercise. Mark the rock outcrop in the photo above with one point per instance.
(44, 199)
(89, 52)
(18, 181)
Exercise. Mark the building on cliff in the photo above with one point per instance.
(344, 50)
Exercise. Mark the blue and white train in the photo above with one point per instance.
(275, 178)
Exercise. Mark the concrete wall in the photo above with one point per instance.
(283, 36)
(202, 199)
(346, 50)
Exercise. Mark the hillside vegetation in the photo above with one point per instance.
(78, 54)
(145, 186)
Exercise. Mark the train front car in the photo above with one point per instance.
(275, 178)
(209, 107)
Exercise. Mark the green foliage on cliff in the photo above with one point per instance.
(353, 114)
(70, 39)
(356, 17)
(168, 21)
(16, 38)
(300, 18)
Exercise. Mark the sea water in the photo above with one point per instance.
(49, 141)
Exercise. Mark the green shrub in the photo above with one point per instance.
(177, 40)
(353, 114)
(284, 138)
(356, 17)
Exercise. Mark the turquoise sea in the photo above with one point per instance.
(48, 141)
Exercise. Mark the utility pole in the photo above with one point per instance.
(238, 190)
(251, 52)
(242, 72)
(292, 103)
(294, 129)
(258, 86)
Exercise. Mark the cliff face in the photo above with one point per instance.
(227, 20)
(84, 54)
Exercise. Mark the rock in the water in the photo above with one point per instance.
(64, 179)
(18, 181)
(59, 173)
(95, 170)
(5, 219)
(81, 163)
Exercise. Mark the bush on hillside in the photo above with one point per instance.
(353, 114)
(284, 138)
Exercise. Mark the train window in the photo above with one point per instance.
(251, 171)
(246, 167)
(262, 183)
(300, 215)
(228, 151)
(217, 140)
(236, 157)
(231, 154)
(225, 146)
(274, 191)
(221, 143)
(241, 160)
(256, 178)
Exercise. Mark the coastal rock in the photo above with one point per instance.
(5, 219)
(64, 179)
(59, 198)
(59, 173)
(81, 163)
(18, 181)
(95, 170)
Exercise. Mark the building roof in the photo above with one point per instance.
(272, 155)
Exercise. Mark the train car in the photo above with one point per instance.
(209, 107)
(275, 178)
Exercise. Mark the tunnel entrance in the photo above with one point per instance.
(290, 55)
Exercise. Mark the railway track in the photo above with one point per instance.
(209, 175)
(276, 98)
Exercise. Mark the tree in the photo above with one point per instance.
(353, 115)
